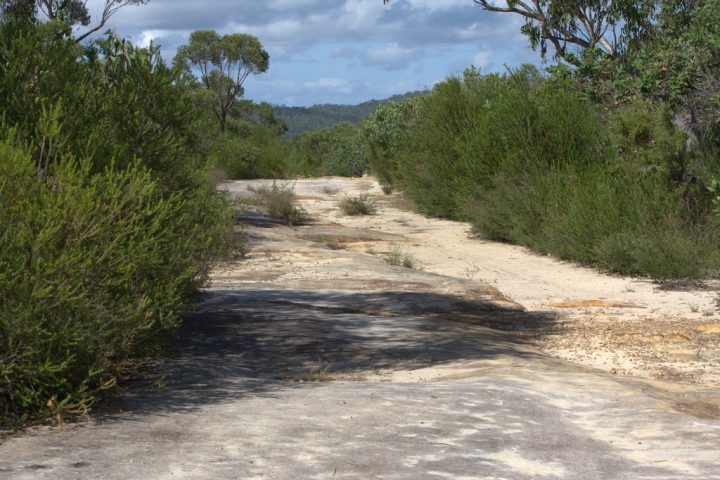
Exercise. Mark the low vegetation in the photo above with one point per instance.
(619, 189)
(358, 205)
(279, 201)
(609, 158)
(109, 223)
(397, 256)
(335, 151)
(251, 149)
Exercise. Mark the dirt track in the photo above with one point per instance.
(314, 358)
(618, 324)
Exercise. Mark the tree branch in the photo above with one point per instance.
(584, 24)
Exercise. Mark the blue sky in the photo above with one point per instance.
(340, 51)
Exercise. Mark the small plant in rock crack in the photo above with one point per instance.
(472, 271)
(359, 205)
(398, 257)
(321, 373)
(330, 191)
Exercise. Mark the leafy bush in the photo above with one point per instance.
(347, 155)
(248, 157)
(254, 151)
(384, 132)
(112, 103)
(359, 205)
(250, 147)
(528, 160)
(109, 224)
(335, 151)
(309, 152)
(94, 269)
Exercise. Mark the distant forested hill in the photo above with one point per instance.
(303, 119)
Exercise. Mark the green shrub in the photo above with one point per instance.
(309, 153)
(95, 268)
(384, 132)
(335, 151)
(112, 103)
(109, 223)
(347, 155)
(528, 160)
(359, 205)
(247, 151)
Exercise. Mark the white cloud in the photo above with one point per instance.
(390, 57)
(483, 60)
(341, 85)
(433, 5)
(150, 36)
(330, 82)
(357, 47)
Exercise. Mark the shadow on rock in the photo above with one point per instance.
(254, 342)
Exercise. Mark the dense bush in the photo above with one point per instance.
(334, 151)
(95, 268)
(309, 153)
(247, 151)
(253, 149)
(528, 160)
(111, 103)
(109, 224)
(677, 63)
(384, 132)
(347, 157)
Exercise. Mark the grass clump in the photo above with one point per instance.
(318, 374)
(279, 201)
(359, 205)
(398, 257)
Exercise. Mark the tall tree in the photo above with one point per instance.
(602, 26)
(224, 63)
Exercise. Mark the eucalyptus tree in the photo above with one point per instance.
(223, 63)
(603, 27)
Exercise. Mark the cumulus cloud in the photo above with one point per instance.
(391, 57)
(299, 24)
(340, 85)
(331, 82)
(316, 45)
(483, 60)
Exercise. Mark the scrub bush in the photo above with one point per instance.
(109, 224)
(529, 160)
